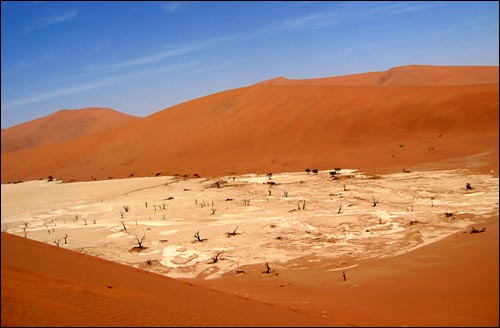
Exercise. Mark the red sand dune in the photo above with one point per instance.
(43, 285)
(447, 116)
(61, 125)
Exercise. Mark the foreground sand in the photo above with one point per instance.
(48, 286)
(449, 282)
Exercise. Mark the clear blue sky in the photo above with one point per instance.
(142, 57)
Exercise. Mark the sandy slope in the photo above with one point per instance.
(46, 286)
(418, 115)
(61, 125)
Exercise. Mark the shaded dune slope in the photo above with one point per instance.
(287, 125)
(61, 125)
(43, 285)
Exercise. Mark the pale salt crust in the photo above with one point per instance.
(335, 223)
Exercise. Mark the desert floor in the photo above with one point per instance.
(400, 239)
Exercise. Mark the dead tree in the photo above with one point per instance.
(215, 258)
(146, 203)
(125, 207)
(85, 220)
(268, 268)
(213, 211)
(315, 171)
(124, 227)
(25, 233)
(340, 209)
(121, 215)
(66, 238)
(375, 201)
(468, 186)
(285, 193)
(140, 241)
(270, 175)
(474, 230)
(343, 275)
(269, 191)
(345, 189)
(232, 233)
(198, 238)
(304, 205)
(308, 170)
(57, 241)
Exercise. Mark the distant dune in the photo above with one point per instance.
(61, 125)
(428, 116)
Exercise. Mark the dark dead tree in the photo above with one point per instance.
(304, 205)
(268, 269)
(285, 193)
(213, 211)
(25, 233)
(198, 238)
(474, 230)
(468, 186)
(85, 221)
(269, 191)
(340, 209)
(163, 204)
(375, 201)
(232, 233)
(315, 171)
(270, 175)
(57, 242)
(215, 258)
(66, 238)
(149, 262)
(121, 213)
(308, 171)
(343, 275)
(345, 189)
(124, 227)
(126, 207)
(146, 203)
(140, 241)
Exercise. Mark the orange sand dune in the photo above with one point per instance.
(61, 125)
(43, 285)
(281, 127)
(411, 75)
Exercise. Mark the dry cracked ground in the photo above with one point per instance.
(249, 219)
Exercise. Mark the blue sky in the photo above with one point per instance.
(142, 57)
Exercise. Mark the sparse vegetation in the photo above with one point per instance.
(232, 233)
(474, 230)
(215, 258)
(140, 241)
(198, 238)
